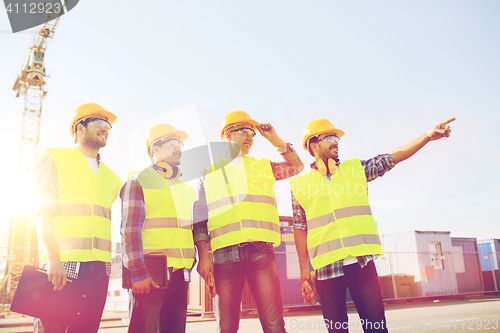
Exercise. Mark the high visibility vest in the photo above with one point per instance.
(168, 228)
(82, 221)
(339, 218)
(241, 203)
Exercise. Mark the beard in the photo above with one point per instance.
(93, 141)
(325, 154)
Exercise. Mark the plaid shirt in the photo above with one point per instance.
(47, 196)
(133, 219)
(374, 168)
(230, 254)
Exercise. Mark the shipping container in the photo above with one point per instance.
(489, 256)
(466, 265)
(488, 249)
(422, 255)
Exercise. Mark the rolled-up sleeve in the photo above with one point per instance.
(291, 166)
(377, 166)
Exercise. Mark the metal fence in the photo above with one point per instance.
(401, 275)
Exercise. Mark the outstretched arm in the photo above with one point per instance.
(439, 131)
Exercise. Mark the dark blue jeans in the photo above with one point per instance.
(162, 310)
(365, 292)
(258, 265)
(93, 282)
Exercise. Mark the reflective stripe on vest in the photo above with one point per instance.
(84, 210)
(241, 198)
(167, 225)
(173, 253)
(84, 244)
(339, 218)
(82, 221)
(246, 224)
(166, 222)
(340, 213)
(241, 203)
(350, 241)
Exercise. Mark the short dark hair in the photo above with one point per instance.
(314, 139)
(84, 122)
(159, 142)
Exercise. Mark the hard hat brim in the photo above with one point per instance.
(103, 114)
(180, 134)
(339, 133)
(252, 122)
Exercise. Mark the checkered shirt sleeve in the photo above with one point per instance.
(46, 185)
(133, 219)
(291, 166)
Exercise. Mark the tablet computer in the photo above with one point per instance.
(157, 268)
(35, 296)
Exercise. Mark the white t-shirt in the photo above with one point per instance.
(93, 163)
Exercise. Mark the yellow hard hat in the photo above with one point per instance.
(318, 127)
(163, 131)
(90, 110)
(234, 118)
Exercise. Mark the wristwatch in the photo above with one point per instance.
(283, 149)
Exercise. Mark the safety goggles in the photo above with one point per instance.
(171, 143)
(330, 138)
(247, 131)
(101, 123)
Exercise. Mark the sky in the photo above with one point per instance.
(382, 71)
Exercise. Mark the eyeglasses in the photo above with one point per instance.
(98, 122)
(331, 138)
(171, 143)
(247, 131)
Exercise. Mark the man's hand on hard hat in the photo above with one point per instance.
(57, 274)
(267, 131)
(143, 286)
(441, 130)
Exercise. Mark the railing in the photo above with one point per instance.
(402, 275)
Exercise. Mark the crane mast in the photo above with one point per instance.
(30, 84)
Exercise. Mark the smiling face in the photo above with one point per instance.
(324, 149)
(243, 139)
(168, 150)
(92, 136)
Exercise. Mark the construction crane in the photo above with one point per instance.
(30, 84)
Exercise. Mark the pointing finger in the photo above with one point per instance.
(448, 121)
